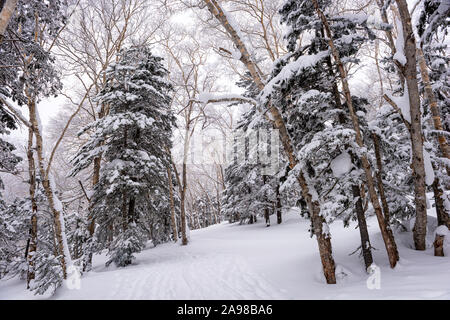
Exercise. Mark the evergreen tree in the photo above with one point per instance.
(77, 235)
(395, 147)
(250, 191)
(132, 197)
(205, 210)
(40, 77)
(14, 232)
(8, 159)
(14, 226)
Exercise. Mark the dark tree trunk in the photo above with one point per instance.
(267, 216)
(442, 217)
(378, 174)
(279, 207)
(95, 179)
(173, 219)
(441, 214)
(124, 211)
(266, 208)
(131, 210)
(184, 240)
(362, 225)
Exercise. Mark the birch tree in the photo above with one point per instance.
(32, 58)
(409, 70)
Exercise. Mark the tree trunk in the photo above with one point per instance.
(184, 240)
(219, 206)
(182, 191)
(267, 216)
(58, 220)
(433, 105)
(32, 244)
(266, 208)
(173, 218)
(438, 194)
(110, 233)
(125, 217)
(95, 179)
(362, 225)
(378, 172)
(442, 217)
(441, 214)
(410, 73)
(87, 264)
(9, 6)
(132, 217)
(318, 222)
(389, 241)
(439, 245)
(278, 205)
(124, 211)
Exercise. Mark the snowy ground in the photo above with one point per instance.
(230, 261)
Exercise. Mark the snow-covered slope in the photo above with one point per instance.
(230, 261)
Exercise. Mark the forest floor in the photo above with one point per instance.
(232, 261)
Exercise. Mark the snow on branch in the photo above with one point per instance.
(399, 55)
(398, 110)
(206, 98)
(294, 67)
(15, 112)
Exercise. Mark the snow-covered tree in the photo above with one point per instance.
(433, 64)
(28, 75)
(8, 159)
(304, 85)
(39, 76)
(395, 151)
(250, 192)
(205, 210)
(132, 195)
(15, 229)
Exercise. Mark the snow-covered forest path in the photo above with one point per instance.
(230, 261)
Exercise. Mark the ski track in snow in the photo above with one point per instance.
(190, 276)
